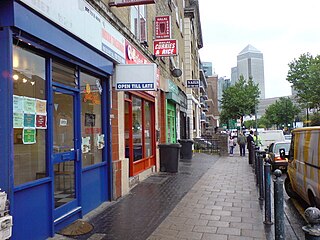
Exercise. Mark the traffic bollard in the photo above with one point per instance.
(267, 194)
(251, 153)
(278, 206)
(261, 155)
(312, 230)
(257, 170)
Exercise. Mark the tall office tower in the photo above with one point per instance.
(250, 64)
(207, 67)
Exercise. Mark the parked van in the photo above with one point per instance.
(270, 136)
(304, 165)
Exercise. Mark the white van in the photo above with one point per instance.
(270, 136)
(304, 165)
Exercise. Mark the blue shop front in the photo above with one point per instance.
(55, 123)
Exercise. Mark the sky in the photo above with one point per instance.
(281, 29)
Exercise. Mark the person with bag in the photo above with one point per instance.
(232, 145)
(242, 141)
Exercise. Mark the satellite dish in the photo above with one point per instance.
(176, 72)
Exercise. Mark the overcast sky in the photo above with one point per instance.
(281, 29)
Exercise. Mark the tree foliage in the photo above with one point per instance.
(315, 119)
(282, 112)
(304, 74)
(239, 100)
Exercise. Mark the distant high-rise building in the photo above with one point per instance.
(223, 83)
(250, 64)
(234, 75)
(207, 68)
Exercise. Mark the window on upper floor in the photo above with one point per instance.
(138, 20)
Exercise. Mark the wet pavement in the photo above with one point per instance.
(211, 197)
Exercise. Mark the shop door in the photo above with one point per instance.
(66, 153)
(171, 123)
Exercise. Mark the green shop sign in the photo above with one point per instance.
(173, 93)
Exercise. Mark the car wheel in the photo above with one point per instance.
(288, 187)
(312, 199)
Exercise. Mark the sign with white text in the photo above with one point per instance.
(194, 83)
(93, 27)
(163, 27)
(165, 48)
(136, 77)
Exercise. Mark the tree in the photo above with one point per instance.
(304, 74)
(282, 112)
(315, 119)
(240, 99)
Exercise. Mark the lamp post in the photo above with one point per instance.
(307, 116)
(308, 104)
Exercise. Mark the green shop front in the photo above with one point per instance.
(171, 105)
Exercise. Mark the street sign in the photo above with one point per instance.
(193, 83)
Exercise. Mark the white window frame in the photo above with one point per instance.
(139, 12)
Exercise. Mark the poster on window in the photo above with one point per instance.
(100, 141)
(18, 120)
(17, 103)
(29, 105)
(29, 136)
(29, 120)
(41, 121)
(89, 120)
(85, 147)
(41, 106)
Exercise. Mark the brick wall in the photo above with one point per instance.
(116, 164)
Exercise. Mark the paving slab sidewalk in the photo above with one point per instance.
(223, 204)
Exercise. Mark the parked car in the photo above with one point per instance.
(304, 165)
(274, 157)
(287, 137)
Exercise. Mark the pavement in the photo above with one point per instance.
(211, 197)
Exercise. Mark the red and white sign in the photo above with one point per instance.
(124, 3)
(163, 27)
(133, 56)
(165, 48)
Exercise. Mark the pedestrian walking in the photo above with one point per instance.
(257, 139)
(232, 145)
(242, 141)
(250, 148)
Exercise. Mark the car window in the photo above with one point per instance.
(278, 146)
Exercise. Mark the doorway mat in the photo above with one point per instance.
(76, 228)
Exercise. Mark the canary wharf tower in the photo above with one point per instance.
(250, 63)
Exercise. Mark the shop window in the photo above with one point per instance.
(64, 74)
(147, 129)
(91, 120)
(137, 128)
(138, 22)
(29, 116)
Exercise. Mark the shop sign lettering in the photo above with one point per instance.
(165, 48)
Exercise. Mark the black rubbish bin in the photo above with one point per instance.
(169, 157)
(186, 148)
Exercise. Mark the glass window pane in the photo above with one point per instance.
(64, 74)
(29, 116)
(63, 129)
(137, 128)
(64, 184)
(127, 127)
(91, 120)
(134, 16)
(147, 129)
